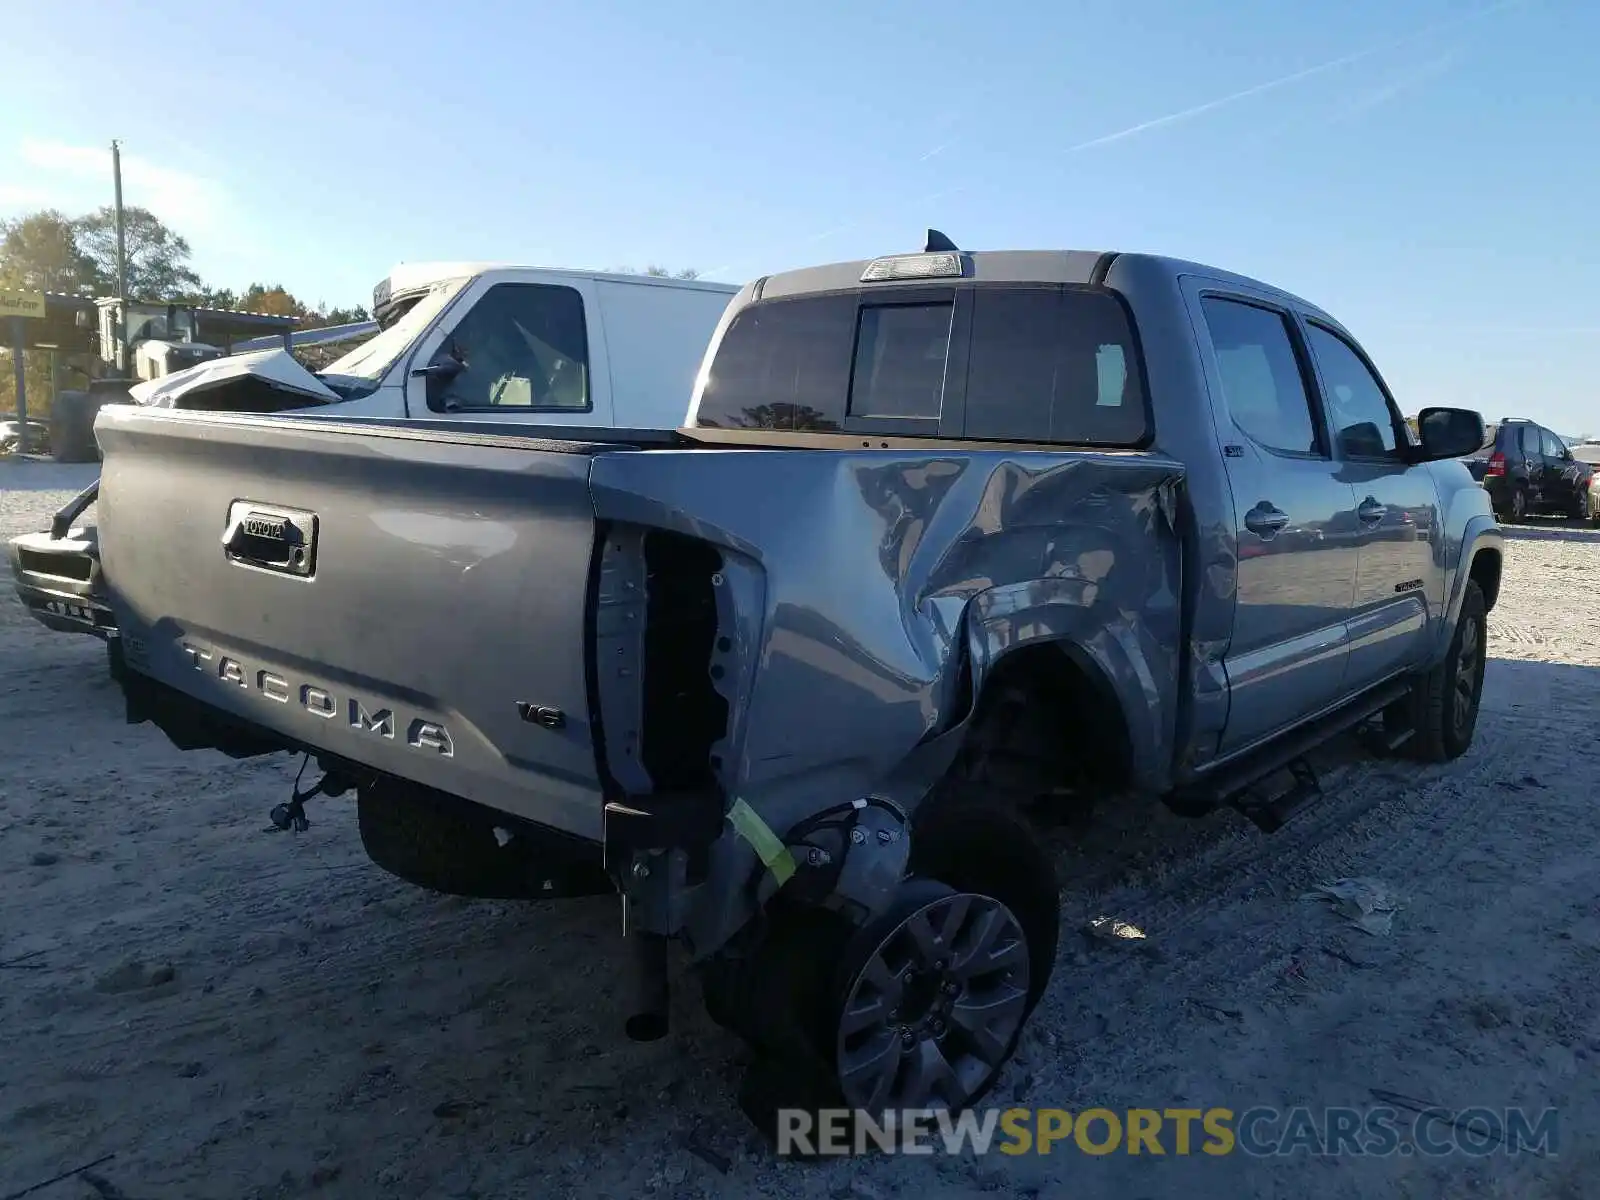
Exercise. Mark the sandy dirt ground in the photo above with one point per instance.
(237, 1013)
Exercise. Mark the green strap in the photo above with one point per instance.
(769, 847)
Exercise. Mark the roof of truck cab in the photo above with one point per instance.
(1012, 266)
(411, 277)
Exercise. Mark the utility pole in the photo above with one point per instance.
(19, 343)
(122, 264)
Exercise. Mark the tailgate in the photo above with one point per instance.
(388, 596)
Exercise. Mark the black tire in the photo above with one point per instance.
(974, 839)
(1442, 708)
(1518, 512)
(72, 428)
(449, 846)
(1580, 509)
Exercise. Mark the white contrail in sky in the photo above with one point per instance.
(1286, 80)
(1379, 96)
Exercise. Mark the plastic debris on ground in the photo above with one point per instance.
(1367, 904)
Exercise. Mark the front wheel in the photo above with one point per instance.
(1583, 509)
(1443, 705)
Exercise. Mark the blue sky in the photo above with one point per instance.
(1424, 169)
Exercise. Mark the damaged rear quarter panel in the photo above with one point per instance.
(881, 567)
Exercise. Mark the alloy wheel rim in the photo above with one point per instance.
(933, 1012)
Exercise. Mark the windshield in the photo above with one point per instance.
(370, 362)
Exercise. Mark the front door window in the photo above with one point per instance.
(520, 346)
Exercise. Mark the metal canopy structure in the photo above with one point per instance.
(62, 327)
(220, 327)
(68, 326)
(70, 323)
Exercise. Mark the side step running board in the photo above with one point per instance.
(1272, 812)
(1234, 784)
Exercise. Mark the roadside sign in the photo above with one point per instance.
(21, 304)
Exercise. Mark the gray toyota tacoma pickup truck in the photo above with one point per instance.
(952, 544)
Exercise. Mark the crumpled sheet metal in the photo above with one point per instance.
(877, 571)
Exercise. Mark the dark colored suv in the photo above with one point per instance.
(1527, 469)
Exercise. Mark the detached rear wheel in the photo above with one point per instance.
(920, 1007)
(936, 994)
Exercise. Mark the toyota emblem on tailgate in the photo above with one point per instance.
(276, 528)
(270, 538)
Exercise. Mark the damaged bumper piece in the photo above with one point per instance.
(57, 573)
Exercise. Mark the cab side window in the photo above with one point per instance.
(520, 346)
(1363, 420)
(1554, 447)
(1262, 384)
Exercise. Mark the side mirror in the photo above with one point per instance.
(1448, 433)
(443, 367)
(440, 370)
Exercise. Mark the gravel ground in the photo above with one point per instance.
(234, 1013)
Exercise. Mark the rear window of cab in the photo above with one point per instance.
(999, 362)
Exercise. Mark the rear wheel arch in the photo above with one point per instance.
(1049, 704)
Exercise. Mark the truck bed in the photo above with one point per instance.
(535, 623)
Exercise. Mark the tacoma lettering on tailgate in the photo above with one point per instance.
(319, 701)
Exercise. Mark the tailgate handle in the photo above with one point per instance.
(271, 538)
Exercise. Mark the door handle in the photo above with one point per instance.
(1265, 520)
(1370, 511)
